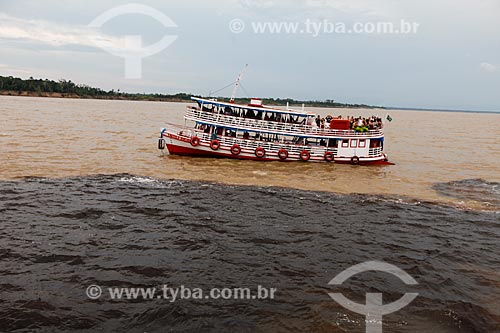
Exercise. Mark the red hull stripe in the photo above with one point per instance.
(187, 151)
(177, 150)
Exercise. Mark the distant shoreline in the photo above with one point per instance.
(173, 99)
(76, 96)
(14, 86)
(180, 100)
(389, 108)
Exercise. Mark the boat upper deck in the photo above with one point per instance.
(260, 108)
(274, 127)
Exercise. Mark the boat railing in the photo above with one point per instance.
(253, 144)
(269, 146)
(270, 126)
(375, 151)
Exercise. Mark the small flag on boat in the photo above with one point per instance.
(389, 118)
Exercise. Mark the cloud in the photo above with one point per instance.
(6, 70)
(490, 67)
(379, 8)
(57, 35)
(365, 7)
(257, 4)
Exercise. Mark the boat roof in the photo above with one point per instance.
(254, 108)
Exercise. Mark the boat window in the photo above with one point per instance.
(362, 143)
(333, 143)
(374, 143)
(345, 143)
(354, 143)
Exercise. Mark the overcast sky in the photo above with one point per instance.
(451, 62)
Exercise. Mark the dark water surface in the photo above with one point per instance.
(58, 236)
(479, 190)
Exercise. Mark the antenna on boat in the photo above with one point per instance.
(237, 84)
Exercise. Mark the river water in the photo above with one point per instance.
(47, 137)
(87, 199)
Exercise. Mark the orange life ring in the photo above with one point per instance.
(195, 141)
(260, 152)
(329, 157)
(305, 155)
(283, 154)
(214, 144)
(355, 160)
(235, 149)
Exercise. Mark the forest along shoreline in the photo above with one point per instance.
(12, 86)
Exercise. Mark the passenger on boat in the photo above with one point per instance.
(360, 125)
(207, 109)
(230, 133)
(328, 120)
(315, 124)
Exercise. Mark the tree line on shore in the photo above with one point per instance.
(67, 88)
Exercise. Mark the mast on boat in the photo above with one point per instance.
(237, 84)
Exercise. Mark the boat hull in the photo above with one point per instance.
(182, 145)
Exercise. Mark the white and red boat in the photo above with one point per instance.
(257, 132)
